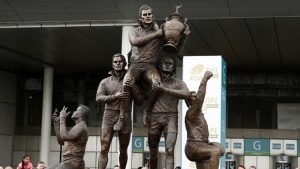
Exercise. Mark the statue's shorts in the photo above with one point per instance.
(191, 149)
(111, 117)
(163, 122)
(142, 70)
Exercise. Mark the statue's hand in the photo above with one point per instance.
(158, 86)
(130, 83)
(159, 33)
(122, 95)
(192, 97)
(63, 112)
(208, 74)
(55, 118)
(186, 30)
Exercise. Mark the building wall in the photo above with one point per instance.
(8, 92)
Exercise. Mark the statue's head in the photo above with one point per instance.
(167, 64)
(82, 111)
(119, 62)
(146, 16)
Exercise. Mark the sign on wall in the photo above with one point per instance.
(257, 147)
(237, 146)
(290, 147)
(214, 106)
(137, 144)
(276, 147)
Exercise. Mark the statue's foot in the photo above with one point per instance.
(118, 126)
(145, 118)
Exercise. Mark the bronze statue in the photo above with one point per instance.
(164, 115)
(74, 140)
(146, 41)
(109, 92)
(198, 148)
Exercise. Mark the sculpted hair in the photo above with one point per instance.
(118, 55)
(144, 7)
(86, 110)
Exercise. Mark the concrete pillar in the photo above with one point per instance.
(126, 47)
(47, 114)
(179, 144)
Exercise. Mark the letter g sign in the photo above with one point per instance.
(138, 143)
(256, 145)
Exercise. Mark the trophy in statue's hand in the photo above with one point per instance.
(175, 32)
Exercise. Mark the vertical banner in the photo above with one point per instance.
(214, 106)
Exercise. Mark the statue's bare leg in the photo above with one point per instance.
(153, 140)
(170, 145)
(106, 138)
(153, 77)
(124, 139)
(203, 164)
(124, 104)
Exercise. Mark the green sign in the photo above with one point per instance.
(257, 147)
(137, 144)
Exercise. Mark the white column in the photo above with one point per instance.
(177, 150)
(47, 113)
(126, 47)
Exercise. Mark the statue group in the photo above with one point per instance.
(160, 115)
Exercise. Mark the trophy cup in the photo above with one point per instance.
(173, 29)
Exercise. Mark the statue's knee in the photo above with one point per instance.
(104, 150)
(169, 152)
(216, 153)
(123, 152)
(153, 152)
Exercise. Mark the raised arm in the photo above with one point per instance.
(142, 40)
(181, 92)
(74, 133)
(57, 127)
(63, 128)
(202, 88)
